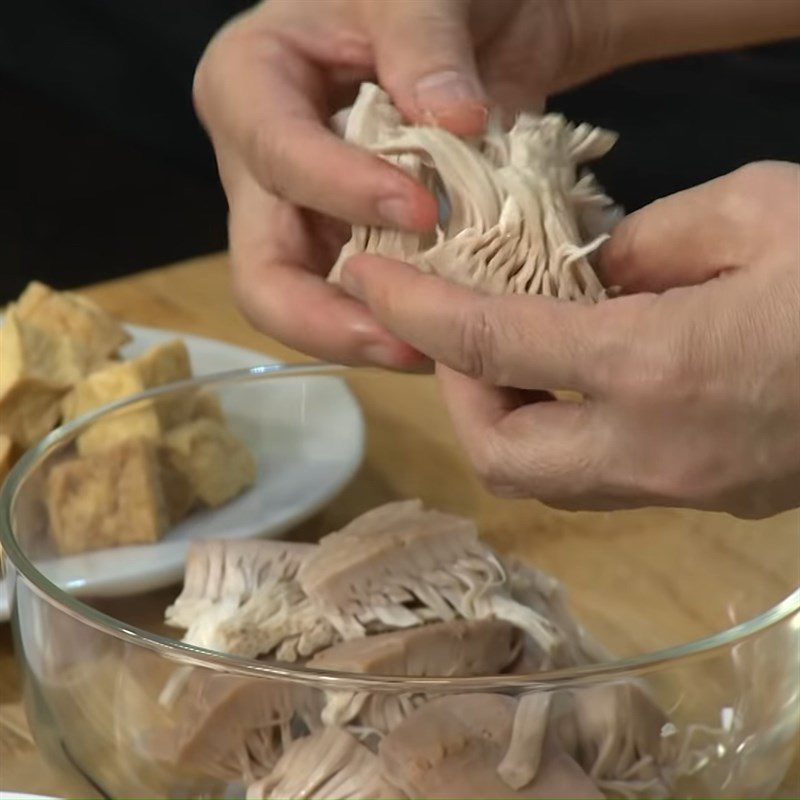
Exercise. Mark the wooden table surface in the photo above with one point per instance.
(194, 297)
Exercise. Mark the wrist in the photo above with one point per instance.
(633, 31)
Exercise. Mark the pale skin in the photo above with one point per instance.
(691, 382)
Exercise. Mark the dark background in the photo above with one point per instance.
(106, 171)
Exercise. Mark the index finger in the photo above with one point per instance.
(527, 342)
(260, 96)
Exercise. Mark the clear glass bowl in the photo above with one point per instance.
(701, 609)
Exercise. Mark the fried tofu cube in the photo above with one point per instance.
(29, 410)
(167, 363)
(105, 386)
(162, 364)
(72, 317)
(6, 455)
(179, 493)
(218, 465)
(107, 499)
(28, 352)
(205, 404)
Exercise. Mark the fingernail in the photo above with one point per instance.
(383, 355)
(440, 90)
(396, 212)
(351, 283)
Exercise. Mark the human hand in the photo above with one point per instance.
(265, 90)
(691, 396)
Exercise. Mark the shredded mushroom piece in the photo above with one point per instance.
(524, 215)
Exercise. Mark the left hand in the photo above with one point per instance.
(691, 396)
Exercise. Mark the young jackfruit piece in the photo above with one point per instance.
(70, 316)
(164, 363)
(330, 764)
(107, 499)
(546, 595)
(241, 597)
(224, 726)
(615, 734)
(399, 565)
(521, 217)
(444, 649)
(216, 463)
(452, 747)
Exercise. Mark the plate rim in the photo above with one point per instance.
(169, 575)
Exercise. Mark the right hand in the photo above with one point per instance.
(265, 89)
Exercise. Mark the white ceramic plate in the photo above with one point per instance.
(22, 796)
(310, 449)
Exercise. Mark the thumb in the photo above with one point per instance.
(695, 235)
(424, 57)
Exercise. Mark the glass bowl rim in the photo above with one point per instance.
(178, 651)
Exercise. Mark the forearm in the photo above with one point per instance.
(644, 30)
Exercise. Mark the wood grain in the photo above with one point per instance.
(706, 550)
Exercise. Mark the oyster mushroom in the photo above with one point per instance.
(228, 727)
(445, 649)
(452, 747)
(241, 597)
(400, 565)
(524, 216)
(329, 764)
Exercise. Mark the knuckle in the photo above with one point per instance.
(269, 149)
(753, 188)
(214, 56)
(476, 343)
(489, 466)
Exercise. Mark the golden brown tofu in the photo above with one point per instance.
(6, 455)
(73, 317)
(29, 410)
(105, 386)
(205, 404)
(27, 351)
(107, 499)
(162, 364)
(167, 363)
(218, 465)
(179, 493)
